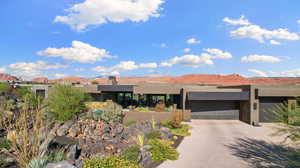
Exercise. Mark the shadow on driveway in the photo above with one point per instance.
(260, 154)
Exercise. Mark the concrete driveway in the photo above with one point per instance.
(229, 144)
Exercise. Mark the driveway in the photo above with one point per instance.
(229, 144)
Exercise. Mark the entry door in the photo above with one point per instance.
(216, 110)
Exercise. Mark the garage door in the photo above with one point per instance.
(267, 108)
(216, 110)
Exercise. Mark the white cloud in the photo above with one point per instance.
(121, 67)
(274, 42)
(288, 73)
(241, 21)
(193, 41)
(58, 75)
(260, 58)
(217, 53)
(260, 34)
(195, 61)
(148, 65)
(29, 70)
(189, 60)
(298, 21)
(2, 70)
(186, 50)
(96, 12)
(258, 72)
(79, 52)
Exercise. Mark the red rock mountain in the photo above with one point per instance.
(233, 79)
(6, 77)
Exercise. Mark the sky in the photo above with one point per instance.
(149, 38)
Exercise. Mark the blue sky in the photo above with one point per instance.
(91, 38)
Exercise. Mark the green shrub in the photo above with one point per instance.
(5, 143)
(162, 150)
(66, 101)
(153, 135)
(55, 157)
(131, 153)
(95, 83)
(109, 162)
(129, 123)
(4, 88)
(22, 91)
(182, 130)
(142, 109)
(111, 113)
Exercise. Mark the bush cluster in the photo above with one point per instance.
(129, 123)
(66, 101)
(111, 113)
(131, 153)
(181, 130)
(153, 135)
(161, 150)
(109, 162)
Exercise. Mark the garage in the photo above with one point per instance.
(267, 108)
(216, 105)
(217, 110)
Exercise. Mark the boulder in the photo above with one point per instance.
(63, 164)
(63, 130)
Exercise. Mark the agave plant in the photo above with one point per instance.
(37, 163)
(140, 140)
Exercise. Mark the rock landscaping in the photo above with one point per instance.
(86, 139)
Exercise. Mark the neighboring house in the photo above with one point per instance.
(248, 102)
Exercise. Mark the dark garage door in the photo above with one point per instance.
(216, 110)
(267, 108)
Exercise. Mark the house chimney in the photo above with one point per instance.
(112, 80)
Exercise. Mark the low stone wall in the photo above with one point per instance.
(143, 116)
(159, 116)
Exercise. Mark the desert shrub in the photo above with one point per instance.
(56, 156)
(181, 129)
(111, 113)
(160, 108)
(94, 83)
(5, 143)
(22, 91)
(153, 135)
(95, 105)
(4, 88)
(142, 109)
(129, 123)
(37, 163)
(27, 133)
(162, 150)
(109, 162)
(65, 102)
(290, 119)
(131, 153)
